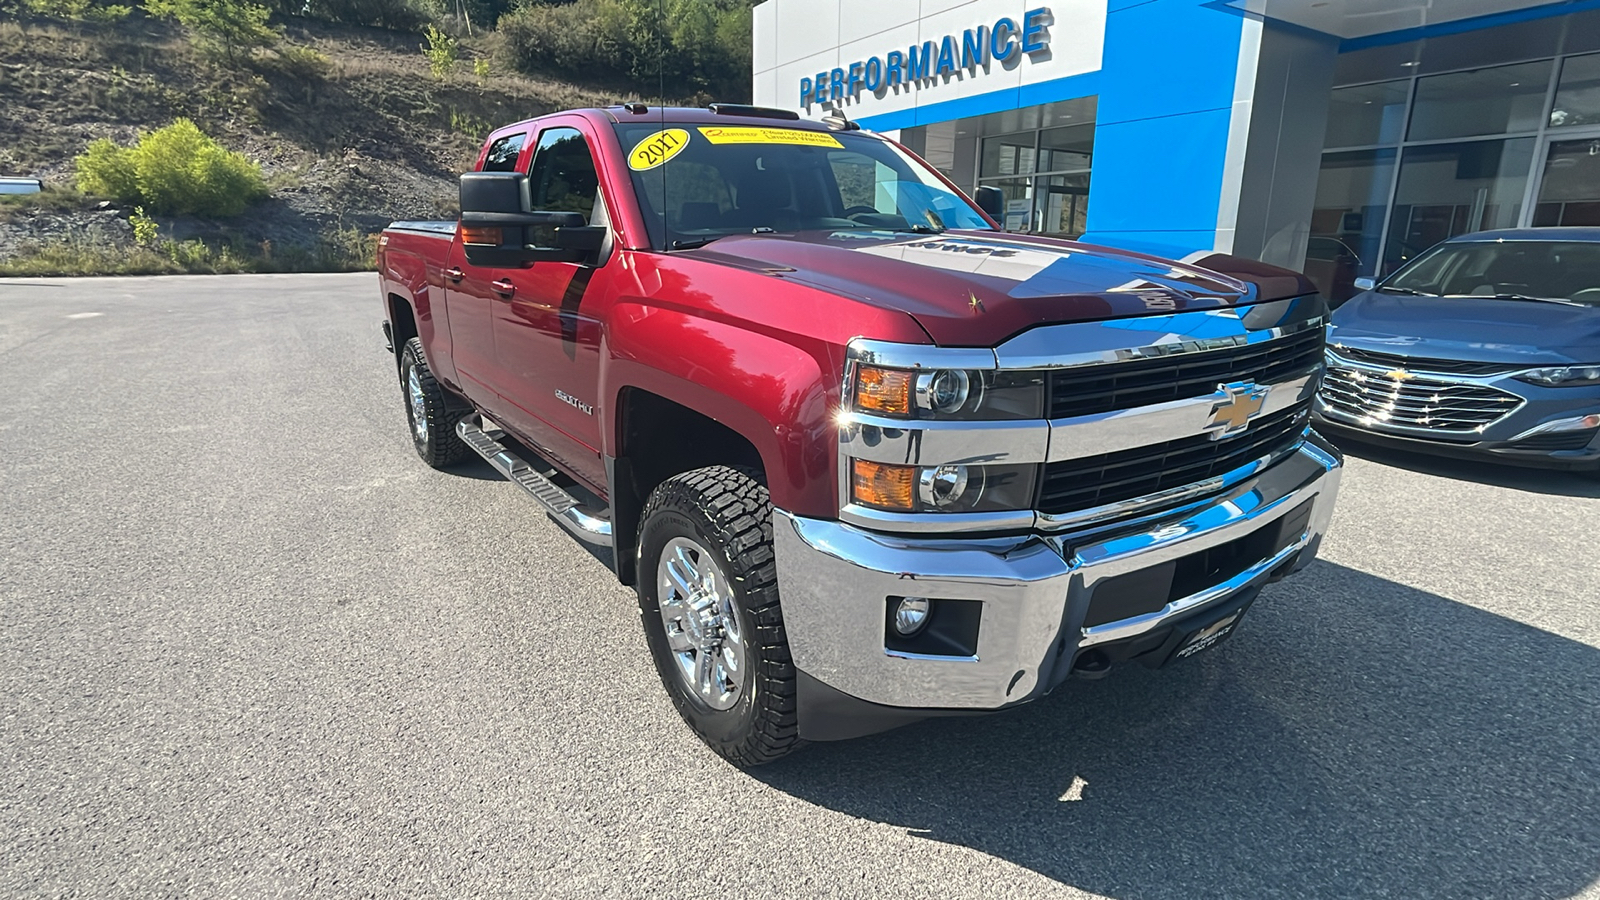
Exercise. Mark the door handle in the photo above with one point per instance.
(504, 288)
(454, 274)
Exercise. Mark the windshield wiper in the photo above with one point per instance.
(1528, 297)
(694, 243)
(1391, 289)
(920, 229)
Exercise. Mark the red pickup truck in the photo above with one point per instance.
(865, 457)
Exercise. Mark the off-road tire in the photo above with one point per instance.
(730, 514)
(440, 447)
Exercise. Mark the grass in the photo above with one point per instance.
(53, 198)
(342, 250)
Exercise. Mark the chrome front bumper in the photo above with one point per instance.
(1035, 590)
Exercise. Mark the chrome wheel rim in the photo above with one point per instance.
(703, 632)
(419, 406)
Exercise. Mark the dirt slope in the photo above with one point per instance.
(354, 140)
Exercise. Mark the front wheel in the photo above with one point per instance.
(708, 594)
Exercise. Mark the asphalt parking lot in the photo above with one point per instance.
(251, 646)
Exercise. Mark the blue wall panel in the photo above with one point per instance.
(1168, 57)
(1166, 98)
(1159, 174)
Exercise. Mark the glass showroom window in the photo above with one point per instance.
(1409, 162)
(1044, 175)
(1501, 100)
(1451, 189)
(1569, 193)
(1347, 220)
(1367, 114)
(1578, 94)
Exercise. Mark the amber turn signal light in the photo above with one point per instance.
(479, 234)
(884, 486)
(883, 391)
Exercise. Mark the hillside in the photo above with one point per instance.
(350, 128)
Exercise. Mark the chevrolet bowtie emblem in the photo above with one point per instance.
(1239, 402)
(1397, 374)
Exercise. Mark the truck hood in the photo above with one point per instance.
(978, 288)
(1476, 329)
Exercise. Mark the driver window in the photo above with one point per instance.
(562, 178)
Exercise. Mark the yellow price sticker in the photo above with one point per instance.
(770, 136)
(657, 149)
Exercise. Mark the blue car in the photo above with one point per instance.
(1486, 346)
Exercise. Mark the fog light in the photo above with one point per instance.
(910, 615)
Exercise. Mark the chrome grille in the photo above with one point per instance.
(1407, 400)
(1077, 484)
(1087, 390)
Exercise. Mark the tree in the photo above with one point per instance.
(232, 24)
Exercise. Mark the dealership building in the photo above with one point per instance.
(1337, 136)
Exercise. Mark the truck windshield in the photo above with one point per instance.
(1560, 271)
(699, 183)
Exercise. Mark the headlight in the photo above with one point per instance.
(977, 395)
(1562, 376)
(946, 488)
(945, 391)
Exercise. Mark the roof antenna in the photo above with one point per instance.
(836, 120)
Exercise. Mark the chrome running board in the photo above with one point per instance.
(562, 506)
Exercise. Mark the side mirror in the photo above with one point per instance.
(498, 230)
(1365, 283)
(992, 200)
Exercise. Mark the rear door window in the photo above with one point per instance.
(502, 155)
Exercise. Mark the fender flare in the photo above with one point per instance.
(772, 392)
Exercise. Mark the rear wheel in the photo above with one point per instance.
(432, 416)
(708, 594)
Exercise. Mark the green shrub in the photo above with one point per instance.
(441, 51)
(107, 170)
(176, 169)
(145, 229)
